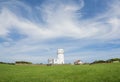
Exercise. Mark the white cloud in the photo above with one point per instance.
(60, 21)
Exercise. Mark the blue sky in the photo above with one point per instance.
(33, 30)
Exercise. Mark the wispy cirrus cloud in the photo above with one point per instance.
(60, 18)
(53, 24)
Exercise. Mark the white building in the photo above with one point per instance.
(78, 62)
(60, 58)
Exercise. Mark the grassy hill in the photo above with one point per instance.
(60, 73)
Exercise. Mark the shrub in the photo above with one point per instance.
(23, 62)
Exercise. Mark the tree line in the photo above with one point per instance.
(113, 60)
(17, 62)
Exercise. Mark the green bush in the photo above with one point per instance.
(23, 62)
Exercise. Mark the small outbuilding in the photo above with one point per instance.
(78, 62)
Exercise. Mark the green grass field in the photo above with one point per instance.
(60, 73)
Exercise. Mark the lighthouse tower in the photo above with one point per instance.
(60, 53)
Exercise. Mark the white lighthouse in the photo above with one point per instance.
(60, 58)
(60, 53)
